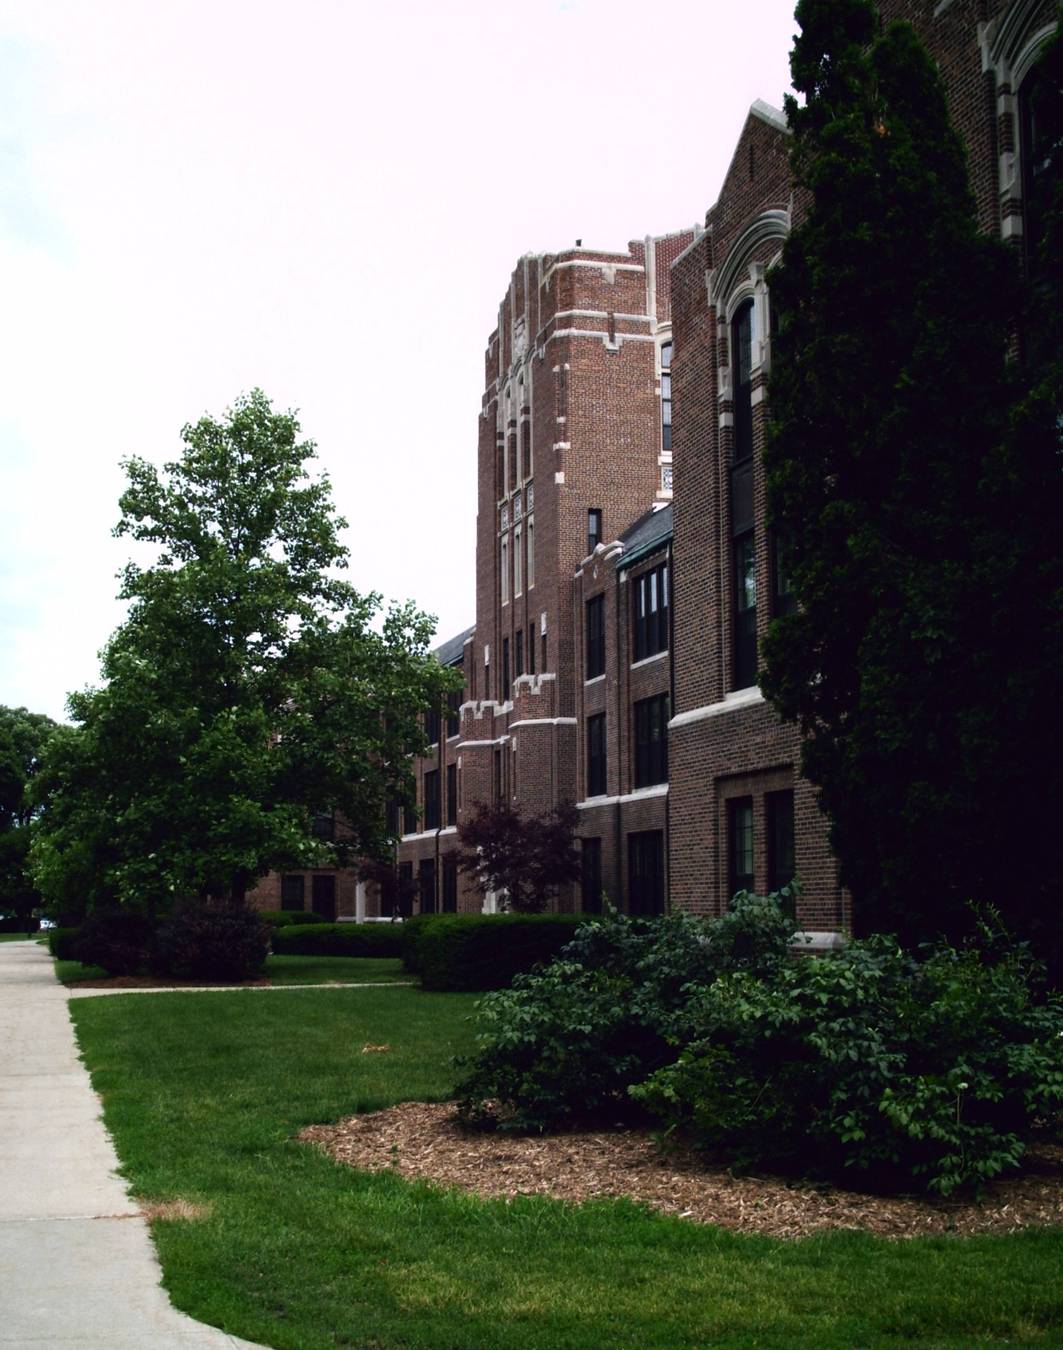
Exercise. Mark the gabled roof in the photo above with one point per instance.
(450, 652)
(649, 533)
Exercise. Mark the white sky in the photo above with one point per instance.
(326, 200)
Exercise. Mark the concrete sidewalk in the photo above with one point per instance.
(77, 1266)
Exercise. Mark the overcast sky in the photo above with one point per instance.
(326, 200)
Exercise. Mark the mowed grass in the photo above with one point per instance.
(204, 1092)
(18, 937)
(286, 970)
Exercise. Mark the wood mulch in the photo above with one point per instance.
(426, 1142)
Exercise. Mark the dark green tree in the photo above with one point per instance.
(917, 505)
(250, 690)
(23, 736)
(524, 859)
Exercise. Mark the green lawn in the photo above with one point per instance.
(204, 1093)
(17, 937)
(286, 970)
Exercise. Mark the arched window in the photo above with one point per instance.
(1041, 141)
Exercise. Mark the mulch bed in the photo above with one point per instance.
(426, 1142)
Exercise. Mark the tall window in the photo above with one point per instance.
(453, 712)
(596, 755)
(646, 872)
(782, 597)
(591, 876)
(504, 569)
(745, 611)
(500, 466)
(527, 442)
(595, 611)
(503, 691)
(518, 652)
(324, 826)
(531, 643)
(739, 845)
(431, 800)
(594, 528)
(779, 808)
(666, 396)
(450, 883)
(431, 725)
(498, 775)
(404, 898)
(1039, 149)
(426, 885)
(531, 552)
(742, 370)
(293, 892)
(323, 896)
(651, 741)
(518, 579)
(409, 818)
(452, 794)
(651, 604)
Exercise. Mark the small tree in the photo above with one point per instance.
(250, 689)
(522, 859)
(23, 736)
(919, 520)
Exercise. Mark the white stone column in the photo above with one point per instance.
(359, 902)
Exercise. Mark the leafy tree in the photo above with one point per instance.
(23, 736)
(249, 690)
(918, 505)
(524, 858)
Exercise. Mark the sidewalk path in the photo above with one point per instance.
(237, 988)
(77, 1267)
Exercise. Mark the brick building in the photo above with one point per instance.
(574, 447)
(613, 661)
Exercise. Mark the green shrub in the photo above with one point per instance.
(61, 943)
(485, 951)
(121, 941)
(412, 930)
(928, 1072)
(339, 939)
(565, 1044)
(285, 918)
(203, 943)
(14, 923)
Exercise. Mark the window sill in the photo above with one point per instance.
(594, 679)
(648, 660)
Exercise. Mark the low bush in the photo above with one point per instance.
(14, 923)
(485, 951)
(285, 918)
(61, 943)
(203, 943)
(121, 941)
(930, 1072)
(339, 939)
(412, 929)
(565, 1044)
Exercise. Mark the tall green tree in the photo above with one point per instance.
(250, 690)
(918, 507)
(23, 736)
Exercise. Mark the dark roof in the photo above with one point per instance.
(451, 651)
(649, 533)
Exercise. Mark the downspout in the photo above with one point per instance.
(617, 830)
(671, 714)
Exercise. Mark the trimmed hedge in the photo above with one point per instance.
(285, 918)
(62, 941)
(412, 929)
(339, 939)
(201, 943)
(485, 951)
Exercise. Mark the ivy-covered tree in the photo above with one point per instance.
(917, 498)
(523, 859)
(250, 690)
